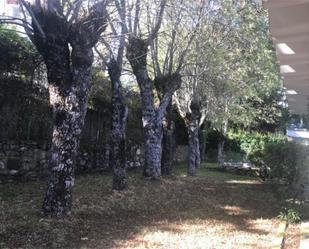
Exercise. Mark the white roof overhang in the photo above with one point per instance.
(289, 25)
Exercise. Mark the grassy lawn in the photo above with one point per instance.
(211, 210)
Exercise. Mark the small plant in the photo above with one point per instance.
(289, 215)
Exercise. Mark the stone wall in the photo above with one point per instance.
(29, 160)
(23, 160)
(181, 154)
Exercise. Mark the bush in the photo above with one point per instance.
(253, 144)
(274, 154)
(289, 215)
(285, 159)
(18, 55)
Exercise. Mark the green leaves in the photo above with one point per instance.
(17, 53)
(253, 144)
(286, 160)
(289, 215)
(240, 80)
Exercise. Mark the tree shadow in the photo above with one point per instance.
(105, 219)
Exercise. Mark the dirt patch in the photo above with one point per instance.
(292, 237)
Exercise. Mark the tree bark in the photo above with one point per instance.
(153, 137)
(221, 154)
(118, 129)
(203, 136)
(68, 73)
(69, 110)
(137, 55)
(194, 150)
(221, 143)
(168, 142)
(137, 50)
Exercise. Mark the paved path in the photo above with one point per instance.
(304, 232)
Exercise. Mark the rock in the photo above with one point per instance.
(4, 172)
(22, 149)
(2, 165)
(13, 172)
(31, 175)
(14, 163)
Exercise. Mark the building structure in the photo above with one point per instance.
(289, 25)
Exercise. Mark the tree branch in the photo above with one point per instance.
(95, 23)
(157, 25)
(101, 56)
(173, 84)
(136, 18)
(34, 20)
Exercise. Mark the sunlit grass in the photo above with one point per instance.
(212, 210)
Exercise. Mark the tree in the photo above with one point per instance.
(192, 99)
(252, 88)
(141, 37)
(188, 99)
(137, 50)
(168, 53)
(119, 109)
(64, 33)
(231, 64)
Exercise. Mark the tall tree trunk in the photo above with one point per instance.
(69, 110)
(221, 154)
(118, 130)
(137, 55)
(221, 142)
(168, 142)
(203, 136)
(137, 50)
(69, 77)
(66, 48)
(153, 136)
(194, 150)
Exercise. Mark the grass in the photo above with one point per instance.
(212, 210)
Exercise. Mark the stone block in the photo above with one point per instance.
(14, 163)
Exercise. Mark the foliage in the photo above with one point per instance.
(17, 53)
(283, 159)
(269, 114)
(100, 93)
(286, 159)
(24, 110)
(289, 215)
(253, 143)
(232, 71)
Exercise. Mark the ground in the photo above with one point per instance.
(212, 210)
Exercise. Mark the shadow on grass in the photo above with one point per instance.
(105, 219)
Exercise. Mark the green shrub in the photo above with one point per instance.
(285, 159)
(274, 154)
(253, 144)
(289, 215)
(18, 55)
